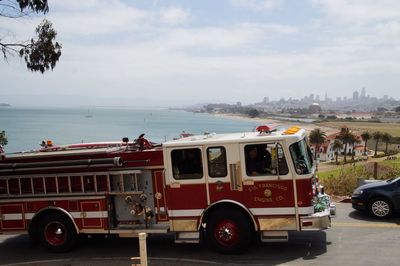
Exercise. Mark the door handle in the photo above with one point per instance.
(175, 185)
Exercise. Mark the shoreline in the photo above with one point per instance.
(283, 123)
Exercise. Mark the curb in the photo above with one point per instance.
(346, 200)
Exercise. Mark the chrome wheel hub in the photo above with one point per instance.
(225, 233)
(380, 208)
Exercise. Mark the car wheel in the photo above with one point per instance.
(57, 233)
(229, 231)
(380, 208)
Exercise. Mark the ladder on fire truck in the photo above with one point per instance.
(74, 183)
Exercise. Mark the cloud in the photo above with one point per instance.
(103, 19)
(76, 5)
(359, 11)
(166, 54)
(99, 17)
(174, 16)
(258, 5)
(237, 35)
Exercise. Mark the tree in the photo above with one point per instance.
(376, 136)
(397, 109)
(337, 146)
(346, 137)
(365, 137)
(3, 142)
(253, 113)
(317, 137)
(386, 137)
(353, 140)
(40, 54)
(3, 138)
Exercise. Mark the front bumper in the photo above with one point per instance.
(318, 220)
(358, 203)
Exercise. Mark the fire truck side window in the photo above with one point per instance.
(216, 161)
(265, 160)
(187, 163)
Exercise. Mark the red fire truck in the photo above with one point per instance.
(224, 189)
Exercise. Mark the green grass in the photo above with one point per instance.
(334, 172)
(342, 181)
(391, 128)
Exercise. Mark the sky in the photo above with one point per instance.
(181, 52)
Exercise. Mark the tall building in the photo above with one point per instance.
(363, 94)
(355, 96)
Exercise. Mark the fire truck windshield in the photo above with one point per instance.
(302, 157)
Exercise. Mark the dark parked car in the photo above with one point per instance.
(381, 199)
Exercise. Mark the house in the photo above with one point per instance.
(326, 152)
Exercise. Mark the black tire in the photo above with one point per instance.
(57, 233)
(229, 231)
(380, 208)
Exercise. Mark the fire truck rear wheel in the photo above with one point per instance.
(57, 233)
(229, 231)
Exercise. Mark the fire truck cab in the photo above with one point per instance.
(229, 186)
(223, 189)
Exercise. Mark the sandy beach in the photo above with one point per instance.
(281, 123)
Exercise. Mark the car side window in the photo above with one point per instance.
(187, 164)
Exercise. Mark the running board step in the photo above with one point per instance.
(274, 236)
(187, 237)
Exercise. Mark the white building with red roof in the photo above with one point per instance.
(326, 152)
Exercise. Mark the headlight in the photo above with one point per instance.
(357, 192)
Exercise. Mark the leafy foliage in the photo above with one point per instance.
(365, 136)
(376, 136)
(386, 137)
(35, 5)
(253, 113)
(317, 137)
(40, 54)
(337, 146)
(347, 137)
(342, 181)
(3, 138)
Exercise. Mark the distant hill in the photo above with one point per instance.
(5, 105)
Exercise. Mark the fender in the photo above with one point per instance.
(238, 204)
(57, 209)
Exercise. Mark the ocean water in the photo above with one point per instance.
(27, 127)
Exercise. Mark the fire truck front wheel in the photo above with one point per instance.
(57, 233)
(229, 231)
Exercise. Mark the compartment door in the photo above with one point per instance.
(12, 217)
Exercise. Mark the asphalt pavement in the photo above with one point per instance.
(354, 239)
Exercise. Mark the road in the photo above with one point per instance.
(354, 239)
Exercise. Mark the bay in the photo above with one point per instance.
(27, 127)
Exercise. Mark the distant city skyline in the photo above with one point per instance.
(356, 96)
(360, 101)
(178, 53)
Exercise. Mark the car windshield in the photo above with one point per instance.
(302, 157)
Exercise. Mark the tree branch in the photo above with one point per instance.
(40, 54)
